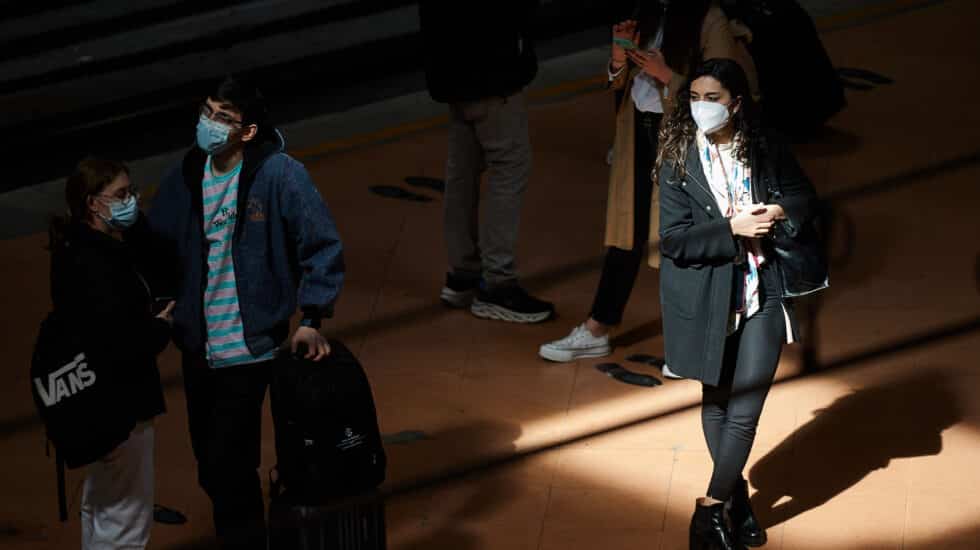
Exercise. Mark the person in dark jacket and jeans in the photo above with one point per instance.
(253, 242)
(725, 188)
(479, 57)
(98, 288)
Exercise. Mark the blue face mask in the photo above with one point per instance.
(211, 136)
(122, 214)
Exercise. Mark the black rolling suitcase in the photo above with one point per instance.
(330, 457)
(352, 523)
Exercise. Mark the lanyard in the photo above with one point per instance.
(728, 184)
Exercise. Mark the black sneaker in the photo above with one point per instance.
(512, 304)
(459, 291)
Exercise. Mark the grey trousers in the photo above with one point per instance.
(487, 135)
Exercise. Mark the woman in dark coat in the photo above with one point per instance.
(673, 38)
(725, 187)
(98, 289)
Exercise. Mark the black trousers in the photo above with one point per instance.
(730, 412)
(620, 267)
(224, 410)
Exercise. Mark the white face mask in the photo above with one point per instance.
(710, 116)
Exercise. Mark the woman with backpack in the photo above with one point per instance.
(106, 304)
(738, 241)
(651, 57)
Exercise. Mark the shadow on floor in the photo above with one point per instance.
(539, 281)
(829, 142)
(854, 436)
(451, 449)
(915, 176)
(636, 335)
(961, 539)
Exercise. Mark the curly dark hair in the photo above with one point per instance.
(678, 130)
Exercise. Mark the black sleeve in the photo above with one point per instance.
(109, 319)
(155, 257)
(797, 197)
(683, 240)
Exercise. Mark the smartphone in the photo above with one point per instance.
(624, 43)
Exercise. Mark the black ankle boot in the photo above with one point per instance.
(710, 531)
(746, 526)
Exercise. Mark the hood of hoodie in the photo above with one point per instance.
(254, 156)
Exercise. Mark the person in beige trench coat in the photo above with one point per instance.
(671, 37)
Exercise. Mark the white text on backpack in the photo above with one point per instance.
(66, 381)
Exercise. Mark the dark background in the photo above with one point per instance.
(301, 82)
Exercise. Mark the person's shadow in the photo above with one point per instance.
(481, 494)
(854, 436)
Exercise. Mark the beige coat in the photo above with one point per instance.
(716, 41)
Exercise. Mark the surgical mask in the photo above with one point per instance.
(211, 136)
(122, 214)
(710, 116)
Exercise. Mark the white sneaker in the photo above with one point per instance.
(670, 374)
(577, 345)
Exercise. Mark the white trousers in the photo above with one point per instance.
(117, 499)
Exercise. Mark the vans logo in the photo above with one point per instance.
(65, 382)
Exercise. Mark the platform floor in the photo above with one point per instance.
(878, 450)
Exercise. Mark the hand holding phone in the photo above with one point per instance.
(624, 39)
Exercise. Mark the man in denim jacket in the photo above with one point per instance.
(251, 241)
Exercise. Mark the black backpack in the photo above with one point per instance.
(328, 444)
(74, 393)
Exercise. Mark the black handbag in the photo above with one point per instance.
(801, 259)
(800, 256)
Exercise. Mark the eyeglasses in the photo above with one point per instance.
(122, 194)
(223, 118)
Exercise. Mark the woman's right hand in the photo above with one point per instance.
(752, 222)
(625, 30)
(167, 314)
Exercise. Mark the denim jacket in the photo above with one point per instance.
(285, 248)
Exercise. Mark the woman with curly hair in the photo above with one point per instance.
(651, 58)
(726, 189)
